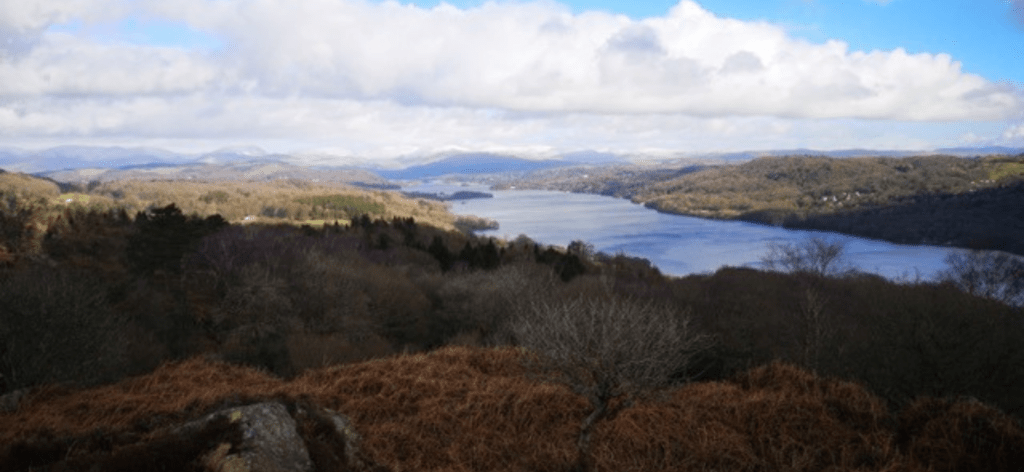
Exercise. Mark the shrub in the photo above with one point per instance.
(965, 435)
(482, 303)
(470, 223)
(605, 350)
(814, 255)
(990, 274)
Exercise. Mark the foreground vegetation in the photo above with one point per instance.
(475, 409)
(122, 325)
(964, 202)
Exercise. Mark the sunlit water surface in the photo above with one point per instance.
(677, 245)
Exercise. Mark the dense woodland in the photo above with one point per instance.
(965, 202)
(95, 294)
(284, 200)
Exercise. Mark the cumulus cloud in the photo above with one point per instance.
(61, 65)
(1014, 133)
(540, 57)
(497, 73)
(22, 22)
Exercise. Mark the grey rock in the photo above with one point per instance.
(270, 442)
(9, 402)
(352, 439)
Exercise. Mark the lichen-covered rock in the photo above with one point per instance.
(344, 427)
(271, 442)
(278, 438)
(332, 441)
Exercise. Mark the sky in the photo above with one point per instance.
(384, 79)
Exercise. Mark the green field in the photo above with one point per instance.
(1006, 169)
(314, 223)
(74, 197)
(350, 204)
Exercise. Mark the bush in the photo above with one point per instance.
(470, 223)
(965, 435)
(990, 274)
(479, 304)
(606, 350)
(814, 255)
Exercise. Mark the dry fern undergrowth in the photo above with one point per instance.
(474, 409)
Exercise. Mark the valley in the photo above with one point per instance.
(406, 314)
(941, 200)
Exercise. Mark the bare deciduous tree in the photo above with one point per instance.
(606, 349)
(989, 274)
(817, 330)
(815, 255)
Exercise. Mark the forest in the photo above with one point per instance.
(964, 202)
(147, 286)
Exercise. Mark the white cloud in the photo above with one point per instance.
(22, 22)
(1014, 133)
(540, 57)
(61, 65)
(368, 76)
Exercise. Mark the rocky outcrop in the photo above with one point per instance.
(270, 441)
(272, 436)
(332, 441)
(279, 438)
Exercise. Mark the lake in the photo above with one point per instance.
(677, 245)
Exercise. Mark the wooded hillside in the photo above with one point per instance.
(115, 327)
(965, 202)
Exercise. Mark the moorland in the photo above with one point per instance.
(131, 306)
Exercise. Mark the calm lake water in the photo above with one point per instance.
(677, 245)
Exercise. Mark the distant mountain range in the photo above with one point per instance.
(260, 169)
(472, 164)
(86, 163)
(958, 151)
(78, 157)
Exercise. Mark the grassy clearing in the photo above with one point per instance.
(1006, 169)
(463, 409)
(352, 204)
(272, 221)
(321, 223)
(74, 197)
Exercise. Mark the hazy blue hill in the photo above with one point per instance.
(77, 157)
(593, 157)
(258, 169)
(73, 157)
(470, 164)
(736, 157)
(981, 151)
